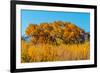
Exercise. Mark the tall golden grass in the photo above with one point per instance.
(47, 52)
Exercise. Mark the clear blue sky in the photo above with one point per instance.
(36, 17)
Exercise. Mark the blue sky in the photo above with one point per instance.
(36, 17)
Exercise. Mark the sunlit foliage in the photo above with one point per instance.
(57, 41)
(47, 52)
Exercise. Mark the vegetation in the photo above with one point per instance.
(57, 41)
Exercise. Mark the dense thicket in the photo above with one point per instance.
(57, 33)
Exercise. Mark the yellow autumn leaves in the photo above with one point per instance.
(57, 41)
(47, 52)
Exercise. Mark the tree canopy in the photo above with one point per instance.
(55, 33)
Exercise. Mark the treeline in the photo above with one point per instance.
(57, 32)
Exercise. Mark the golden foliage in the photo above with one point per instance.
(58, 29)
(30, 29)
(57, 41)
(63, 52)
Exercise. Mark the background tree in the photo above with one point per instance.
(57, 32)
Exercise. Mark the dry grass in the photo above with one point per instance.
(47, 52)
